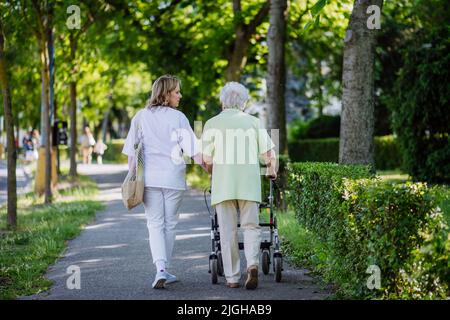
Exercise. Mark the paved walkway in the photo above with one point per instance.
(115, 261)
(23, 176)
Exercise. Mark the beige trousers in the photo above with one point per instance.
(227, 215)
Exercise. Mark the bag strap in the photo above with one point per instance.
(138, 129)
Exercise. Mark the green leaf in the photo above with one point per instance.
(317, 21)
(307, 26)
(318, 7)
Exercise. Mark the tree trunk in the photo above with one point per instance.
(111, 101)
(237, 55)
(43, 31)
(47, 113)
(46, 118)
(276, 77)
(357, 119)
(51, 73)
(73, 110)
(12, 151)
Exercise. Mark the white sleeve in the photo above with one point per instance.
(128, 147)
(187, 139)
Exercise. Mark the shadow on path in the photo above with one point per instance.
(115, 261)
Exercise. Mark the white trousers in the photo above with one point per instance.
(161, 209)
(227, 216)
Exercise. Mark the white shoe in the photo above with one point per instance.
(160, 280)
(170, 278)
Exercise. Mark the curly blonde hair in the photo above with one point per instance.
(161, 89)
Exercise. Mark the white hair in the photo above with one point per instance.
(233, 96)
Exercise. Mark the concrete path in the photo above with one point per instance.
(115, 261)
(23, 176)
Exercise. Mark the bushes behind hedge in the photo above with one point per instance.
(420, 105)
(364, 221)
(114, 152)
(387, 152)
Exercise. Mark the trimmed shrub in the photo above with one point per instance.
(315, 191)
(296, 130)
(387, 151)
(388, 221)
(367, 222)
(315, 150)
(114, 152)
(324, 127)
(321, 127)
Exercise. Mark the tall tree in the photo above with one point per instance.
(43, 24)
(276, 77)
(74, 37)
(237, 52)
(12, 152)
(356, 144)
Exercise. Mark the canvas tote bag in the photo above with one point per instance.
(133, 185)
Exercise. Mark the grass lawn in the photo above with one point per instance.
(393, 175)
(42, 234)
(300, 245)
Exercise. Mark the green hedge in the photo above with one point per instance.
(114, 152)
(315, 150)
(364, 221)
(387, 152)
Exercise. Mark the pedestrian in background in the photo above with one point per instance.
(99, 150)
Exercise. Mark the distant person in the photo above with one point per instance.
(87, 142)
(30, 152)
(30, 146)
(166, 135)
(36, 138)
(99, 150)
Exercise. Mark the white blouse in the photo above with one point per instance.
(166, 135)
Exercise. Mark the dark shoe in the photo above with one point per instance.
(233, 285)
(252, 278)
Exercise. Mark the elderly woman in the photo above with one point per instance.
(236, 179)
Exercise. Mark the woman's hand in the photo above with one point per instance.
(271, 173)
(208, 163)
(271, 163)
(199, 159)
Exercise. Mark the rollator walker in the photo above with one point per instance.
(270, 248)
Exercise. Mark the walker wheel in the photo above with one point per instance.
(265, 261)
(213, 267)
(220, 271)
(278, 264)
